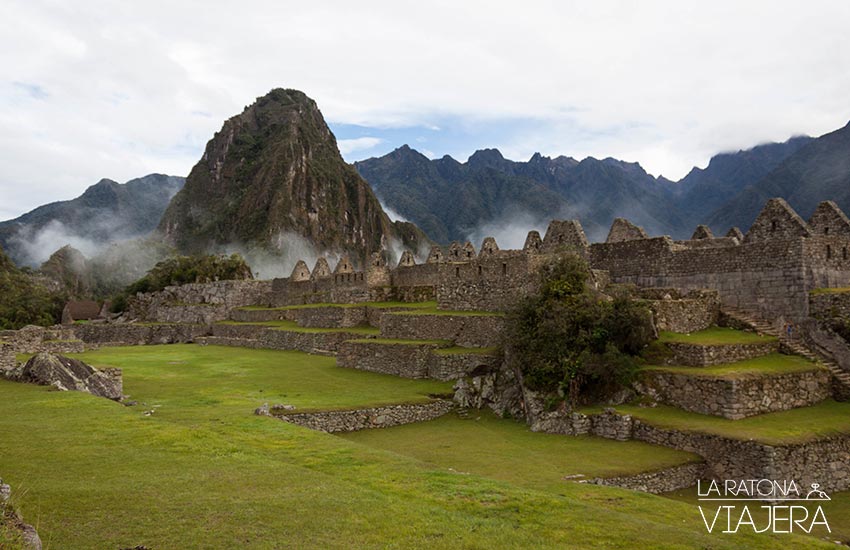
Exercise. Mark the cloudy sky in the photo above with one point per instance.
(92, 89)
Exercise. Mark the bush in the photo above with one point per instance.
(182, 270)
(574, 341)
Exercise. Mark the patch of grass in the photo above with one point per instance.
(507, 450)
(203, 472)
(715, 336)
(458, 350)
(829, 291)
(292, 326)
(836, 510)
(401, 341)
(775, 363)
(828, 418)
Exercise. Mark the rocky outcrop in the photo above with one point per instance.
(68, 374)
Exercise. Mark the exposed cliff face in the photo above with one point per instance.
(275, 169)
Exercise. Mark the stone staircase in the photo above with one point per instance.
(794, 345)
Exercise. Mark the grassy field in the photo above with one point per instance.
(794, 426)
(775, 363)
(203, 472)
(503, 449)
(715, 336)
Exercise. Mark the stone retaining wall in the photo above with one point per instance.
(131, 334)
(198, 303)
(695, 355)
(829, 305)
(7, 357)
(414, 360)
(737, 398)
(323, 343)
(34, 339)
(465, 330)
(375, 417)
(683, 313)
(660, 481)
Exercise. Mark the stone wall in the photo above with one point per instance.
(736, 398)
(136, 334)
(829, 305)
(683, 312)
(322, 343)
(198, 303)
(7, 357)
(465, 330)
(659, 481)
(695, 355)
(375, 417)
(414, 360)
(489, 283)
(34, 339)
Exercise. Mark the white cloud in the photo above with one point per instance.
(94, 88)
(347, 146)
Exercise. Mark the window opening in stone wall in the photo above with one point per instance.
(826, 231)
(828, 252)
(773, 225)
(480, 270)
(844, 253)
(504, 269)
(457, 272)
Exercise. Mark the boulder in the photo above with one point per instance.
(67, 374)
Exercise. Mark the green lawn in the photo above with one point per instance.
(839, 290)
(401, 341)
(507, 450)
(292, 326)
(775, 363)
(203, 472)
(796, 425)
(715, 336)
(836, 510)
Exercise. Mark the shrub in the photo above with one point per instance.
(576, 342)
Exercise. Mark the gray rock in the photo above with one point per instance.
(68, 374)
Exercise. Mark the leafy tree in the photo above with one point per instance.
(24, 300)
(576, 341)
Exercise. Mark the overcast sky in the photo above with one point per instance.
(103, 89)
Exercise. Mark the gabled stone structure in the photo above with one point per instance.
(467, 252)
(623, 230)
(321, 270)
(777, 220)
(828, 219)
(435, 256)
(564, 235)
(455, 252)
(300, 272)
(533, 243)
(702, 232)
(407, 259)
(489, 247)
(735, 233)
(344, 266)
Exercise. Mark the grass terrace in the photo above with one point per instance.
(507, 450)
(203, 472)
(292, 326)
(715, 336)
(841, 290)
(775, 363)
(448, 313)
(825, 419)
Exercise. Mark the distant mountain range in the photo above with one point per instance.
(105, 213)
(451, 200)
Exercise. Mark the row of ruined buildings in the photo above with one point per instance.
(768, 271)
